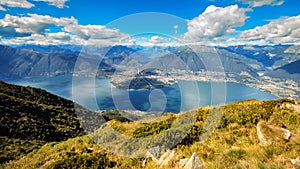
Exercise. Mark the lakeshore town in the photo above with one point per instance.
(277, 87)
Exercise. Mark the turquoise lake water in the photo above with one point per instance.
(185, 95)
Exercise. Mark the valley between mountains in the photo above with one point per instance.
(269, 68)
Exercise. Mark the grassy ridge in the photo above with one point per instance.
(233, 144)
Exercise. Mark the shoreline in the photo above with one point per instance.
(277, 87)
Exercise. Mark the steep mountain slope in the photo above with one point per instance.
(24, 62)
(116, 54)
(187, 59)
(270, 56)
(289, 71)
(291, 68)
(31, 117)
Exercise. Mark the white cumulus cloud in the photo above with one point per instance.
(158, 39)
(34, 23)
(257, 3)
(283, 30)
(93, 31)
(36, 29)
(51, 38)
(15, 4)
(60, 36)
(215, 23)
(57, 3)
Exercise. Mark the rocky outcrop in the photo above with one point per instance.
(294, 107)
(261, 136)
(193, 162)
(270, 134)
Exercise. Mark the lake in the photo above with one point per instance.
(99, 94)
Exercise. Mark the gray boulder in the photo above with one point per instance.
(167, 157)
(286, 134)
(152, 154)
(194, 163)
(164, 159)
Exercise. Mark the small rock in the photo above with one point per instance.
(145, 162)
(286, 134)
(296, 161)
(182, 162)
(152, 154)
(235, 148)
(194, 163)
(297, 108)
(289, 106)
(166, 157)
(90, 150)
(163, 160)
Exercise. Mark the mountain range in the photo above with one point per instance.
(279, 61)
(290, 71)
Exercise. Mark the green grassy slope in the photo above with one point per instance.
(233, 144)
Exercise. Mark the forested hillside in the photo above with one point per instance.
(30, 117)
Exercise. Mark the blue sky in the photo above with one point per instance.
(107, 22)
